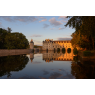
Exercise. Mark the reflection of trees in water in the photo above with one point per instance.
(75, 58)
(83, 70)
(12, 63)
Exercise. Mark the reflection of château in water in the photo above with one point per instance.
(50, 56)
(31, 56)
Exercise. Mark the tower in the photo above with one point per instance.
(31, 44)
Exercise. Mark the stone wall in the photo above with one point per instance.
(5, 52)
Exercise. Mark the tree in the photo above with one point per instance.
(3, 34)
(74, 41)
(16, 41)
(9, 30)
(80, 40)
(74, 22)
(86, 25)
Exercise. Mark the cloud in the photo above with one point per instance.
(64, 38)
(54, 22)
(36, 36)
(26, 18)
(43, 19)
(60, 28)
(46, 25)
(62, 17)
(7, 18)
(19, 18)
(51, 28)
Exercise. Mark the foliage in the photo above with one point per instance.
(75, 51)
(84, 31)
(74, 22)
(87, 53)
(82, 41)
(75, 58)
(74, 41)
(10, 40)
(35, 46)
(16, 41)
(3, 34)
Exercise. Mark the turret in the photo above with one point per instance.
(31, 44)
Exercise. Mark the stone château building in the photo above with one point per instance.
(54, 45)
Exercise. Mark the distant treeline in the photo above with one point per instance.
(14, 40)
(36, 46)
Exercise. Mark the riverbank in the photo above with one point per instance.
(90, 56)
(6, 52)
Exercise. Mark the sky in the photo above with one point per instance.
(38, 28)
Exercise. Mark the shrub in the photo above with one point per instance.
(87, 53)
(75, 51)
(75, 58)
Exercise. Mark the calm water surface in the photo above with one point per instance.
(45, 66)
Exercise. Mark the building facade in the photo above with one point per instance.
(54, 45)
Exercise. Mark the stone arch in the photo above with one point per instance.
(58, 50)
(63, 50)
(54, 50)
(69, 50)
(46, 50)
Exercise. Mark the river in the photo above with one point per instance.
(45, 65)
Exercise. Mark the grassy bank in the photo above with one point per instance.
(87, 54)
